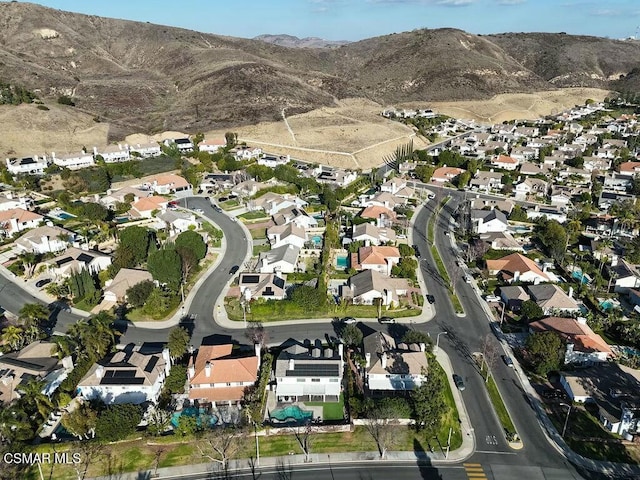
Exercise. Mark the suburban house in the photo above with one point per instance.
(502, 241)
(517, 268)
(73, 161)
(146, 150)
(486, 181)
(513, 297)
(371, 234)
(531, 186)
(583, 346)
(337, 176)
(283, 259)
(17, 219)
(74, 260)
(168, 183)
(273, 161)
(365, 287)
(626, 276)
(9, 202)
(551, 298)
(247, 153)
(182, 144)
(393, 367)
(178, 222)
(528, 168)
(380, 259)
(45, 239)
(287, 234)
(248, 188)
(617, 182)
(126, 376)
(272, 203)
(114, 197)
(446, 174)
(505, 162)
(382, 199)
(212, 146)
(145, 207)
(221, 373)
(113, 153)
(33, 165)
(269, 286)
(629, 169)
(295, 215)
(394, 185)
(613, 388)
(383, 216)
(550, 212)
(309, 372)
(115, 290)
(33, 362)
(488, 221)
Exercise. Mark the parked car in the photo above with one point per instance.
(349, 320)
(387, 320)
(416, 250)
(457, 379)
(492, 298)
(198, 210)
(234, 269)
(468, 278)
(507, 361)
(431, 299)
(43, 282)
(552, 393)
(234, 219)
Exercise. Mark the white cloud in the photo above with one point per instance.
(508, 3)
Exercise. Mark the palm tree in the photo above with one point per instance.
(29, 260)
(36, 401)
(34, 313)
(63, 347)
(13, 336)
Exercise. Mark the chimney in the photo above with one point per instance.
(166, 356)
(582, 320)
(67, 363)
(570, 292)
(258, 351)
(383, 360)
(367, 358)
(207, 369)
(99, 371)
(341, 350)
(95, 150)
(191, 371)
(516, 276)
(423, 347)
(292, 364)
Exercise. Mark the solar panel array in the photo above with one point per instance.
(121, 377)
(319, 369)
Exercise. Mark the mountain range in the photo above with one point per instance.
(145, 77)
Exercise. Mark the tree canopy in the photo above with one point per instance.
(166, 267)
(544, 351)
(192, 241)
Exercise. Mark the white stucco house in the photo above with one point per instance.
(34, 165)
(126, 377)
(489, 221)
(73, 161)
(45, 239)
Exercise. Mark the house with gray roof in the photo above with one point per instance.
(487, 221)
(365, 287)
(310, 372)
(178, 222)
(552, 299)
(282, 259)
(45, 239)
(269, 286)
(514, 297)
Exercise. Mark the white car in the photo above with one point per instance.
(198, 210)
(468, 278)
(492, 298)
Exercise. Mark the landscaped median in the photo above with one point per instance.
(442, 270)
(501, 411)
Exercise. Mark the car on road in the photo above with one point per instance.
(234, 219)
(234, 269)
(431, 196)
(431, 299)
(198, 210)
(416, 250)
(457, 379)
(507, 360)
(386, 320)
(43, 282)
(468, 278)
(349, 320)
(217, 208)
(492, 298)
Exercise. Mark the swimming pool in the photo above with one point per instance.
(342, 261)
(317, 239)
(291, 412)
(60, 214)
(582, 277)
(606, 305)
(198, 413)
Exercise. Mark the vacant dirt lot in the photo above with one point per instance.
(351, 135)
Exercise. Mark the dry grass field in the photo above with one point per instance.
(351, 135)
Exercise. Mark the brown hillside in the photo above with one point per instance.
(144, 77)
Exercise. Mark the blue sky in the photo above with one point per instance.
(358, 19)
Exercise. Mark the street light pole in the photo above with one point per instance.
(438, 340)
(566, 420)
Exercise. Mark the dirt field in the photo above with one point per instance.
(351, 135)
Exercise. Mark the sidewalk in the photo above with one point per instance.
(436, 458)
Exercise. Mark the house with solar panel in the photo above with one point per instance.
(309, 372)
(74, 260)
(270, 286)
(33, 165)
(126, 376)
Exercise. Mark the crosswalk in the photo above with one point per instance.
(474, 471)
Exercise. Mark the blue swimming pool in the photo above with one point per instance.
(317, 239)
(342, 261)
(606, 305)
(292, 412)
(198, 413)
(582, 277)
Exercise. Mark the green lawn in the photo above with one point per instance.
(276, 310)
(330, 410)
(258, 233)
(256, 214)
(499, 407)
(451, 417)
(257, 249)
(229, 204)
